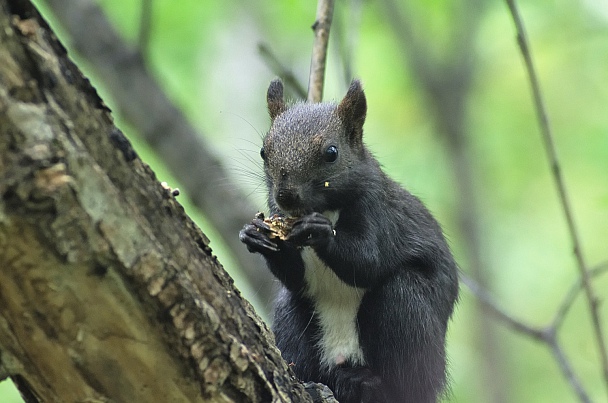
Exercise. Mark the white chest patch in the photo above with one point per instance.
(336, 306)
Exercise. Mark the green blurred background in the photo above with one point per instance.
(204, 54)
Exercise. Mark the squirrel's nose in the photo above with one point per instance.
(288, 199)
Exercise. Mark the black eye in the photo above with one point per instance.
(262, 154)
(331, 154)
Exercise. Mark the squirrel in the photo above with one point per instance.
(368, 282)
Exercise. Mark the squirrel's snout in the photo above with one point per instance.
(288, 199)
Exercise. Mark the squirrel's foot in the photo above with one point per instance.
(358, 385)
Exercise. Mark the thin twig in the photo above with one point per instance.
(565, 366)
(561, 187)
(145, 26)
(544, 335)
(346, 35)
(568, 300)
(325, 11)
(499, 313)
(281, 70)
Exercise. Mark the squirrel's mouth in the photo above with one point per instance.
(295, 212)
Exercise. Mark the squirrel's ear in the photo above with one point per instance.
(276, 104)
(352, 110)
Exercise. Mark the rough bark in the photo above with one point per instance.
(108, 291)
(142, 102)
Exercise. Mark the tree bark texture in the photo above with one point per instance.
(108, 291)
(142, 102)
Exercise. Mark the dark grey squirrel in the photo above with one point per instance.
(368, 283)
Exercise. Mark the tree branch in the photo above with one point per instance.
(108, 291)
(325, 10)
(545, 335)
(550, 149)
(346, 35)
(571, 295)
(492, 306)
(144, 104)
(281, 70)
(566, 368)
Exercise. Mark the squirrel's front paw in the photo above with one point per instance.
(255, 236)
(310, 230)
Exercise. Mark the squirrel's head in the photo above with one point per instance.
(311, 149)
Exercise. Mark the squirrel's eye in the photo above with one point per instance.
(263, 154)
(331, 154)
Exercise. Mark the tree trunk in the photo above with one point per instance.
(108, 291)
(141, 101)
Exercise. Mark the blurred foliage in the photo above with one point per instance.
(205, 56)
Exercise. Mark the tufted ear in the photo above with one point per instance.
(352, 112)
(274, 97)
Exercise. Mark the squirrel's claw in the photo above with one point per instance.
(310, 230)
(260, 224)
(256, 240)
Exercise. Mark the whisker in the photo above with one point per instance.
(260, 135)
(307, 325)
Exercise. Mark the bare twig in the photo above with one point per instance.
(573, 293)
(346, 35)
(566, 367)
(325, 10)
(545, 335)
(492, 306)
(281, 70)
(145, 26)
(550, 149)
